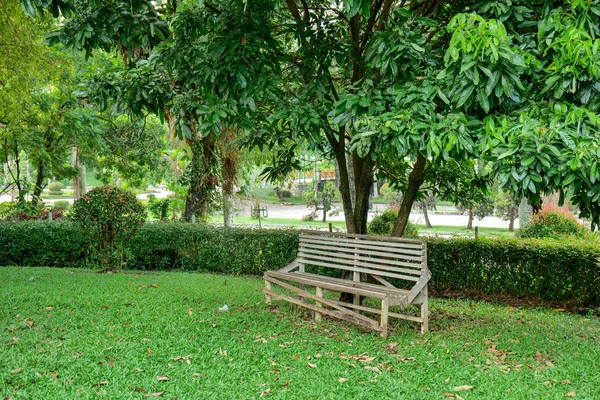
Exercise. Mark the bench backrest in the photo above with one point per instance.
(381, 256)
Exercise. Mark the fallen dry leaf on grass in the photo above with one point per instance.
(464, 387)
(374, 369)
(149, 352)
(100, 383)
(311, 365)
(342, 380)
(48, 308)
(566, 381)
(16, 371)
(453, 396)
(139, 389)
(155, 394)
(162, 378)
(570, 394)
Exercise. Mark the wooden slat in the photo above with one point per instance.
(378, 252)
(386, 258)
(339, 285)
(359, 244)
(364, 270)
(304, 293)
(391, 291)
(378, 311)
(375, 243)
(367, 237)
(382, 281)
(326, 311)
(374, 262)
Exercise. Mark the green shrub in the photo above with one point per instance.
(62, 204)
(200, 247)
(383, 224)
(159, 208)
(109, 216)
(553, 222)
(7, 209)
(42, 243)
(546, 269)
(55, 188)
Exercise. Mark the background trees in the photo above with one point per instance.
(404, 88)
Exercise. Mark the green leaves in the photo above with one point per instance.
(28, 8)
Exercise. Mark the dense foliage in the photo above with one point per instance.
(382, 225)
(556, 223)
(36, 243)
(109, 216)
(203, 248)
(547, 269)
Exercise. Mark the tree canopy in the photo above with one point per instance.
(403, 89)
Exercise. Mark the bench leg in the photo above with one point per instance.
(424, 313)
(319, 293)
(385, 305)
(268, 298)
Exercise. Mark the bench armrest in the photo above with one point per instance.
(291, 266)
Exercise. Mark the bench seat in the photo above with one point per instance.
(371, 262)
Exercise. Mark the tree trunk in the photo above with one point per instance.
(415, 180)
(470, 221)
(39, 181)
(324, 215)
(202, 180)
(355, 187)
(511, 224)
(230, 156)
(426, 216)
(79, 181)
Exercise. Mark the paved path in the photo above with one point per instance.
(297, 211)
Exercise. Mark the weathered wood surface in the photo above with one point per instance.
(367, 256)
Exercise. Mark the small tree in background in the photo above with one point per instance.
(383, 224)
(476, 207)
(554, 222)
(506, 208)
(110, 216)
(427, 203)
(321, 198)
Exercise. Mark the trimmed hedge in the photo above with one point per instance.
(193, 247)
(546, 269)
(42, 243)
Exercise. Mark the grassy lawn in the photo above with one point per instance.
(281, 222)
(463, 231)
(76, 334)
(297, 223)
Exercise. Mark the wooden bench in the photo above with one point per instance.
(375, 258)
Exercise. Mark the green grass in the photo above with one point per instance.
(297, 223)
(463, 231)
(283, 222)
(69, 334)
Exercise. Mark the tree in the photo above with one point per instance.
(428, 203)
(319, 196)
(400, 87)
(506, 208)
